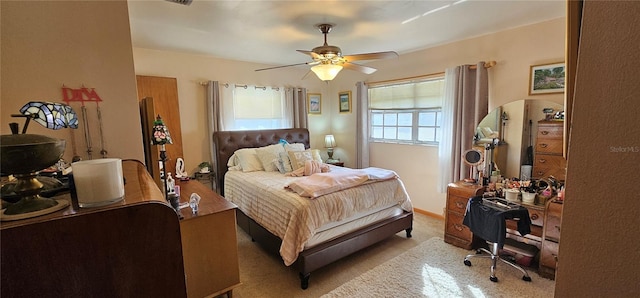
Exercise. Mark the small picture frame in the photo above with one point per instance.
(547, 78)
(344, 101)
(314, 103)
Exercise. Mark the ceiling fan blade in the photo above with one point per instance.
(310, 53)
(360, 68)
(370, 56)
(268, 68)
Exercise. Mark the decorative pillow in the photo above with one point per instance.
(315, 153)
(283, 158)
(267, 154)
(294, 147)
(279, 164)
(233, 160)
(249, 160)
(298, 158)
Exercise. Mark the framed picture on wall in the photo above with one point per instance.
(344, 99)
(546, 78)
(314, 103)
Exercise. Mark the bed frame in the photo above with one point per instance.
(227, 142)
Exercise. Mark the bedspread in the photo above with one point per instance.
(262, 197)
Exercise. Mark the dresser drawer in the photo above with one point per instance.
(460, 189)
(549, 161)
(536, 216)
(550, 131)
(457, 204)
(553, 224)
(544, 172)
(549, 254)
(551, 146)
(455, 227)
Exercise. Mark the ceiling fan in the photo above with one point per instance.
(327, 60)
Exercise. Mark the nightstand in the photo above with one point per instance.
(335, 162)
(205, 178)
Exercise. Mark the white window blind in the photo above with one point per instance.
(419, 95)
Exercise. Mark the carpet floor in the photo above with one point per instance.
(435, 269)
(264, 275)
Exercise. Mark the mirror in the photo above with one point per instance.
(512, 128)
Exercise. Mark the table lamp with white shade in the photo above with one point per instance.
(330, 143)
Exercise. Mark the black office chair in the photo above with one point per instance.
(486, 218)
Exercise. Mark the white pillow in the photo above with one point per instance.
(315, 153)
(233, 160)
(294, 147)
(249, 160)
(283, 158)
(298, 158)
(267, 154)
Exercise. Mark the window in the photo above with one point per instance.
(407, 113)
(253, 108)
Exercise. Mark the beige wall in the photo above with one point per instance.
(599, 251)
(48, 44)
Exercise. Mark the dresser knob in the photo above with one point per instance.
(460, 205)
(534, 216)
(544, 132)
(542, 160)
(458, 227)
(543, 145)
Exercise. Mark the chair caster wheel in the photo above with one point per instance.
(526, 278)
(467, 262)
(493, 278)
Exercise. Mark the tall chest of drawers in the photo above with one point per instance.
(548, 159)
(458, 194)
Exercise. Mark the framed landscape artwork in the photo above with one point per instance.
(546, 78)
(344, 98)
(314, 102)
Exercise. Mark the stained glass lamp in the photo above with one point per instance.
(161, 137)
(50, 115)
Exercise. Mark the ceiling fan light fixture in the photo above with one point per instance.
(326, 72)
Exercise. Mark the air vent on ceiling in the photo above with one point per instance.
(183, 2)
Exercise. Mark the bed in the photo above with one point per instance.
(336, 240)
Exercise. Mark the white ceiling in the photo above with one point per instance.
(270, 32)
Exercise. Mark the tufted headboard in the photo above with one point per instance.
(227, 142)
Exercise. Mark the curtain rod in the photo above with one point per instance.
(242, 86)
(487, 64)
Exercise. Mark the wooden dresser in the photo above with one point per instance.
(548, 159)
(458, 194)
(209, 243)
(550, 239)
(133, 248)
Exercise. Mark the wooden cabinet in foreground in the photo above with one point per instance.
(137, 247)
(209, 242)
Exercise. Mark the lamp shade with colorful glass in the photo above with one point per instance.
(25, 155)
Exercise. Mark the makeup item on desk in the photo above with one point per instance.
(194, 201)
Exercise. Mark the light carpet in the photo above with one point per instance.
(436, 269)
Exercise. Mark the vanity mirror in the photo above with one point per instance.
(513, 128)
